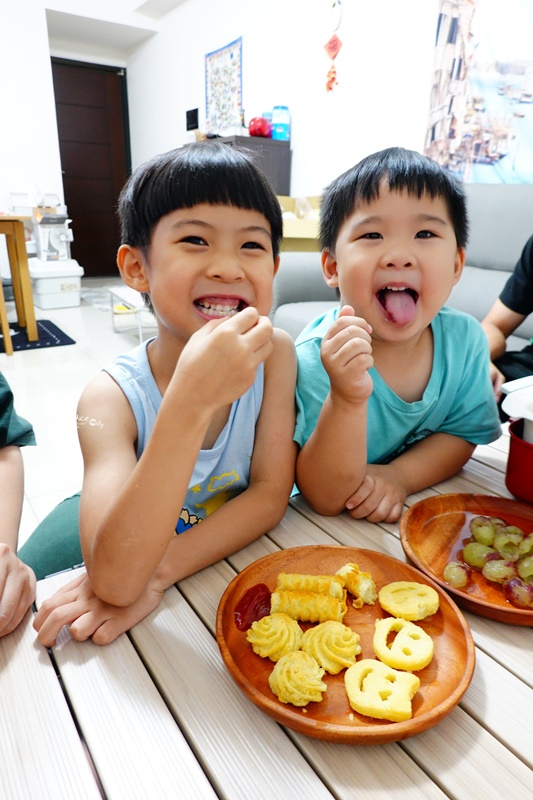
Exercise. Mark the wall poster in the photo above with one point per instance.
(481, 109)
(223, 88)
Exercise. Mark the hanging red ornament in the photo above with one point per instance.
(331, 79)
(332, 49)
(333, 46)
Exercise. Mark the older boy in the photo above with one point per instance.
(392, 367)
(196, 424)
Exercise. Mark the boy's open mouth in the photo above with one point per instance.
(399, 303)
(218, 307)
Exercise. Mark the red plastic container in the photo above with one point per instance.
(519, 475)
(260, 126)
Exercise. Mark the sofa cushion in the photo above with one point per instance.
(476, 292)
(293, 317)
(300, 278)
(501, 222)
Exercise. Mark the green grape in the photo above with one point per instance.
(507, 542)
(456, 574)
(483, 530)
(504, 555)
(519, 593)
(526, 545)
(475, 554)
(514, 530)
(524, 567)
(498, 570)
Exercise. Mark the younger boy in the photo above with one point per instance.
(391, 367)
(195, 427)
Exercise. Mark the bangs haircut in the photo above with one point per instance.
(203, 172)
(402, 171)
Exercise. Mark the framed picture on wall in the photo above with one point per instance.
(223, 87)
(481, 112)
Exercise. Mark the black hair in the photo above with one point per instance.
(402, 170)
(203, 172)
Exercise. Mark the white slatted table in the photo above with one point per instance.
(156, 715)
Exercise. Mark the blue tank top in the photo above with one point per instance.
(221, 472)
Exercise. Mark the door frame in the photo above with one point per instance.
(122, 73)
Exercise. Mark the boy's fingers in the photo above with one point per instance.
(347, 322)
(258, 328)
(240, 322)
(347, 311)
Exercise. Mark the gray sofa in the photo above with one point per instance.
(501, 221)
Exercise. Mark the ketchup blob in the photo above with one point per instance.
(253, 605)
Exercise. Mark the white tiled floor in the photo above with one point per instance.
(47, 384)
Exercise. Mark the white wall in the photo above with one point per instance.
(29, 149)
(384, 71)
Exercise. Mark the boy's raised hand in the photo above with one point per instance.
(346, 353)
(219, 363)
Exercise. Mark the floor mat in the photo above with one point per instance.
(49, 336)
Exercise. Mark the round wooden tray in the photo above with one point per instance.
(432, 533)
(443, 682)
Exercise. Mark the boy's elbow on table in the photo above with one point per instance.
(325, 509)
(115, 592)
(323, 505)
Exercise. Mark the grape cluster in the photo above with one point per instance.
(502, 553)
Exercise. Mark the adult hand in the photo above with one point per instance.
(346, 354)
(220, 361)
(89, 617)
(17, 589)
(497, 378)
(380, 497)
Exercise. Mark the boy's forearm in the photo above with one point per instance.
(332, 463)
(11, 494)
(234, 525)
(128, 542)
(432, 460)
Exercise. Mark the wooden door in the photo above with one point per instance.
(91, 109)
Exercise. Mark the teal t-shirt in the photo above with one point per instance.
(458, 398)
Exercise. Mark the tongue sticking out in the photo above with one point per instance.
(400, 306)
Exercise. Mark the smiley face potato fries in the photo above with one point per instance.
(381, 687)
(379, 691)
(410, 650)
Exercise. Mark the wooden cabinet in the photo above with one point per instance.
(272, 156)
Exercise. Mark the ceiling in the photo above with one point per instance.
(83, 32)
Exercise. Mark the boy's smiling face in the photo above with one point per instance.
(396, 261)
(208, 262)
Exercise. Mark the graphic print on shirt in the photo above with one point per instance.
(415, 437)
(186, 521)
(220, 493)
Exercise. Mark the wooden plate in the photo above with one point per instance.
(443, 682)
(432, 533)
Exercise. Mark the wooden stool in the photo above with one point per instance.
(13, 229)
(4, 324)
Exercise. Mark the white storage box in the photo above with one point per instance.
(56, 284)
